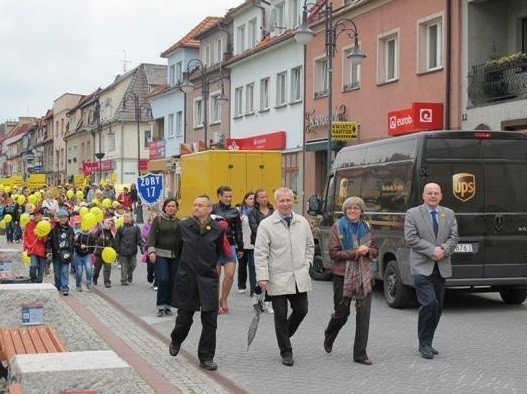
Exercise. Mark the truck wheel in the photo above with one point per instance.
(317, 271)
(513, 295)
(397, 294)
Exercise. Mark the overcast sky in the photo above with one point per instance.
(50, 47)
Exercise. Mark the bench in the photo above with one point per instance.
(29, 340)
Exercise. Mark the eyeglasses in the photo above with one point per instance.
(353, 208)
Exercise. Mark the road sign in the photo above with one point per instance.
(343, 131)
(150, 188)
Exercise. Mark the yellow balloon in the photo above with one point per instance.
(1, 187)
(25, 258)
(97, 212)
(21, 199)
(38, 195)
(115, 204)
(7, 189)
(106, 203)
(79, 194)
(3, 224)
(32, 199)
(119, 222)
(42, 228)
(83, 211)
(24, 218)
(96, 201)
(88, 221)
(109, 255)
(14, 196)
(8, 218)
(70, 194)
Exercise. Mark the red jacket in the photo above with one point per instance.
(33, 244)
(126, 200)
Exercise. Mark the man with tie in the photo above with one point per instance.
(430, 230)
(283, 253)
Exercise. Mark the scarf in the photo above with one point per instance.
(358, 278)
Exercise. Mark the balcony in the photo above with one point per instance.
(498, 80)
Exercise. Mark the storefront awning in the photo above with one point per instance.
(317, 146)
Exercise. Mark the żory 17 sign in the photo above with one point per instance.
(150, 188)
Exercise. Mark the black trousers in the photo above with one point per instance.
(207, 341)
(285, 327)
(430, 292)
(340, 317)
(106, 269)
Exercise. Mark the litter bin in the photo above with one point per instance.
(15, 279)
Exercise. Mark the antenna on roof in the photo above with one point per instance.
(125, 61)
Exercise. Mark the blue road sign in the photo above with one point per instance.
(150, 188)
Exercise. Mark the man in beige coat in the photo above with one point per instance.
(283, 253)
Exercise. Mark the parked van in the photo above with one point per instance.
(483, 176)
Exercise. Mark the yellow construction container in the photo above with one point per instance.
(204, 172)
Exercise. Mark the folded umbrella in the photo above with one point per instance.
(258, 304)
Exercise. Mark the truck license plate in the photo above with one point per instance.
(464, 248)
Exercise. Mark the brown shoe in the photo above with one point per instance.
(328, 347)
(364, 361)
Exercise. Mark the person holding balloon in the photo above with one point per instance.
(84, 247)
(61, 246)
(34, 242)
(11, 216)
(104, 239)
(128, 241)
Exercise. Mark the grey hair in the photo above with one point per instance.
(350, 201)
(283, 190)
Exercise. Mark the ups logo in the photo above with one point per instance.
(464, 186)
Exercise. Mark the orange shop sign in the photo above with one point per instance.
(419, 117)
(270, 141)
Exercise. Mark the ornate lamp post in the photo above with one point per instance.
(100, 154)
(188, 87)
(333, 29)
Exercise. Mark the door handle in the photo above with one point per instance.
(498, 224)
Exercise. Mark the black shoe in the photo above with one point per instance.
(160, 313)
(434, 352)
(94, 281)
(173, 349)
(288, 361)
(365, 361)
(209, 365)
(107, 284)
(168, 312)
(328, 347)
(426, 352)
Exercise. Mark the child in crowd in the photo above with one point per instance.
(103, 238)
(61, 246)
(84, 247)
(127, 240)
(150, 277)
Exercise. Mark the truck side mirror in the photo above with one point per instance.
(313, 205)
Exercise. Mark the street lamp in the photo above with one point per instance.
(99, 155)
(188, 87)
(303, 36)
(137, 108)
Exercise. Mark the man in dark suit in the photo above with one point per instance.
(430, 231)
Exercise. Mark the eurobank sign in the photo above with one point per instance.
(419, 117)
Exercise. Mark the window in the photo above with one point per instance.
(179, 72)
(430, 44)
(206, 56)
(219, 50)
(388, 62)
(279, 15)
(321, 77)
(110, 141)
(179, 123)
(281, 88)
(351, 74)
(264, 94)
(199, 113)
(238, 102)
(249, 99)
(216, 108)
(252, 36)
(172, 75)
(294, 12)
(148, 137)
(296, 84)
(170, 125)
(240, 36)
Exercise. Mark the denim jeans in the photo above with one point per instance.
(80, 263)
(165, 270)
(36, 271)
(13, 232)
(61, 273)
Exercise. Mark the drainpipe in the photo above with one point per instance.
(448, 72)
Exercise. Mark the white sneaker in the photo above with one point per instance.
(241, 291)
(268, 307)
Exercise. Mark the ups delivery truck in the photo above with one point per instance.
(483, 176)
(243, 170)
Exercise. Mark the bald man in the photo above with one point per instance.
(430, 230)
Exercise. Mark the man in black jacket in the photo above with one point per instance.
(198, 242)
(225, 210)
(128, 241)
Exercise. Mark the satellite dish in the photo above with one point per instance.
(272, 20)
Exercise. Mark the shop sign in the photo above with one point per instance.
(420, 117)
(314, 120)
(91, 167)
(344, 131)
(270, 141)
(156, 149)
